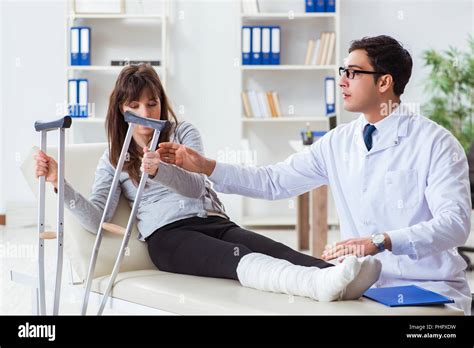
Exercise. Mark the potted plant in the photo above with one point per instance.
(451, 84)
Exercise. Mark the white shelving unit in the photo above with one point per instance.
(115, 16)
(291, 119)
(290, 15)
(94, 121)
(254, 129)
(100, 68)
(288, 67)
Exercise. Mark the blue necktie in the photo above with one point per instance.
(368, 130)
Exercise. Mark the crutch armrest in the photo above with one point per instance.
(147, 122)
(64, 122)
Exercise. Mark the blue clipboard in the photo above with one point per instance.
(410, 295)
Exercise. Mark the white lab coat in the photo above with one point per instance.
(413, 185)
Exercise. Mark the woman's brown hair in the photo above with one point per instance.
(130, 84)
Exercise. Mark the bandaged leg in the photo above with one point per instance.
(267, 273)
(369, 273)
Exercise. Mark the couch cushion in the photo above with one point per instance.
(186, 294)
(81, 162)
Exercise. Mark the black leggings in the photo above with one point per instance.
(213, 247)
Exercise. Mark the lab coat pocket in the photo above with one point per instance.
(401, 189)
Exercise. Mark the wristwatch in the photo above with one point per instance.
(379, 241)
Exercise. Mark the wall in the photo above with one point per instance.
(203, 81)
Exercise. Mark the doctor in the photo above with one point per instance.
(400, 181)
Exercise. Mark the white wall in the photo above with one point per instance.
(204, 38)
(33, 80)
(418, 24)
(203, 78)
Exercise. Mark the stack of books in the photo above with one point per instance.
(321, 51)
(250, 7)
(261, 104)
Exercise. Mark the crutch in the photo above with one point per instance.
(132, 120)
(44, 128)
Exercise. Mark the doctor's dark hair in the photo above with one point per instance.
(132, 81)
(387, 55)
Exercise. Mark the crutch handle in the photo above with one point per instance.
(159, 125)
(63, 122)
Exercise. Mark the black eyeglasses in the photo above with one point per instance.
(350, 73)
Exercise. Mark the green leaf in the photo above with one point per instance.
(451, 85)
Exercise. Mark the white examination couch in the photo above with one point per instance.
(141, 285)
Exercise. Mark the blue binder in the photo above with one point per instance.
(266, 45)
(256, 46)
(78, 97)
(319, 6)
(410, 295)
(85, 46)
(310, 6)
(275, 45)
(330, 5)
(75, 39)
(83, 97)
(246, 45)
(73, 97)
(329, 94)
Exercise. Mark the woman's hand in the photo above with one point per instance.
(150, 161)
(186, 158)
(46, 166)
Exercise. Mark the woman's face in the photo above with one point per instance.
(147, 106)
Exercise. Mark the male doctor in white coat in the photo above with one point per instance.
(400, 181)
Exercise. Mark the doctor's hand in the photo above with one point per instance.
(186, 158)
(354, 246)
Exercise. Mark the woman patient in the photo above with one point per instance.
(181, 218)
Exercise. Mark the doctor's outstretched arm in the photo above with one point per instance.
(299, 173)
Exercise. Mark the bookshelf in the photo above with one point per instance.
(282, 119)
(290, 15)
(114, 37)
(289, 67)
(300, 89)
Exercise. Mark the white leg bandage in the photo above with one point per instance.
(267, 273)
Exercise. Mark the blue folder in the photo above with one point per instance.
(309, 6)
(246, 45)
(330, 5)
(256, 57)
(266, 45)
(73, 98)
(85, 46)
(275, 45)
(329, 95)
(83, 97)
(74, 46)
(410, 295)
(319, 6)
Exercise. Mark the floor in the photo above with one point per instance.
(18, 245)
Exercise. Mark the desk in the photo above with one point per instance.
(315, 224)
